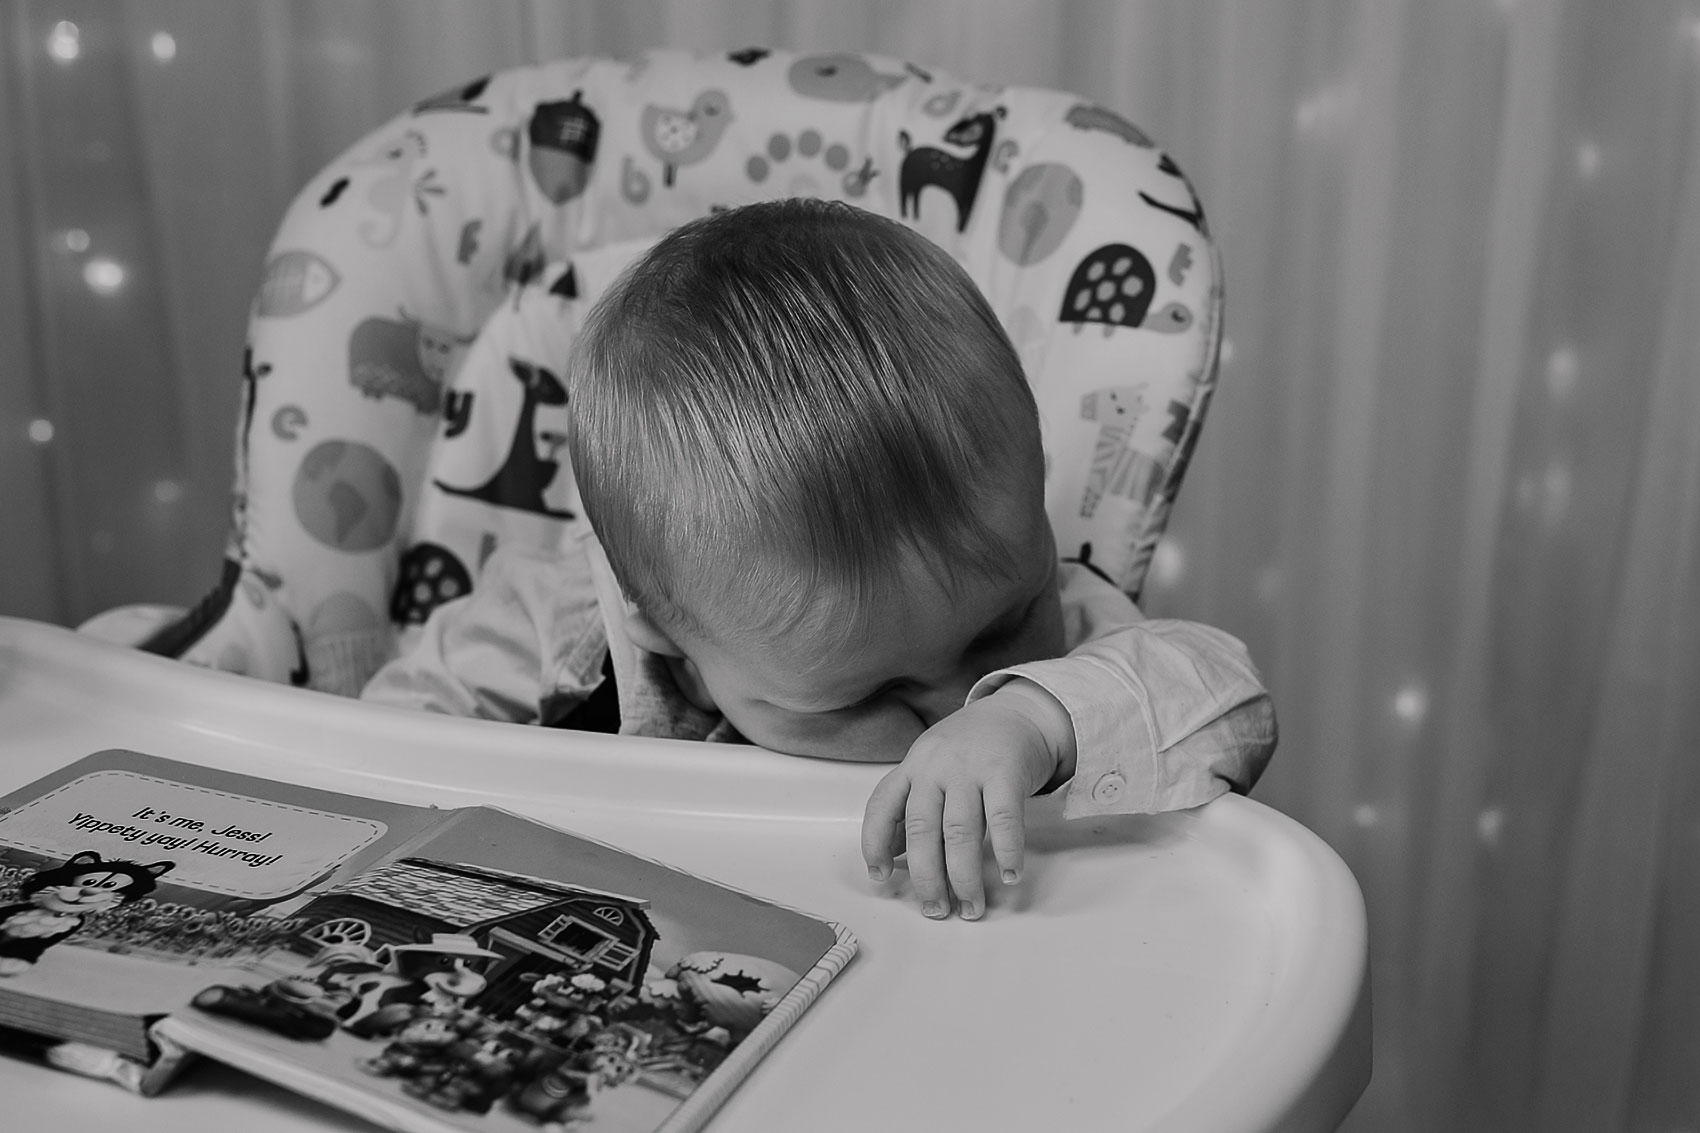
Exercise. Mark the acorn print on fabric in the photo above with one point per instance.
(430, 575)
(685, 137)
(563, 147)
(1114, 285)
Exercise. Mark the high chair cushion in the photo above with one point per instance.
(404, 412)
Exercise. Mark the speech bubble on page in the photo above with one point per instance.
(235, 845)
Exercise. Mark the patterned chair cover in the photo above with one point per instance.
(403, 415)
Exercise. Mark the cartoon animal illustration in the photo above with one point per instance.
(560, 1095)
(438, 977)
(57, 901)
(563, 147)
(685, 137)
(1118, 467)
(1085, 116)
(524, 475)
(420, 1049)
(1114, 285)
(402, 358)
(958, 176)
(839, 77)
(726, 989)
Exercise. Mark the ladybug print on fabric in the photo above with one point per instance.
(430, 576)
(959, 176)
(685, 137)
(1114, 285)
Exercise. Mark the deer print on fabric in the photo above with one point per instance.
(958, 176)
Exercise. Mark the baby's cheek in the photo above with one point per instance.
(873, 737)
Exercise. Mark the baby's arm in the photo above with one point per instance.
(1141, 716)
(506, 649)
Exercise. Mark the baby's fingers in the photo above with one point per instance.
(925, 846)
(964, 834)
(1006, 822)
(882, 823)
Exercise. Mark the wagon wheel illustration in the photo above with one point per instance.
(341, 931)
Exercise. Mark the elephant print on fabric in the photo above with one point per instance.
(685, 137)
(958, 176)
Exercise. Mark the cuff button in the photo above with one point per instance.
(1108, 789)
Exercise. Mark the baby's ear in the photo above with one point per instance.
(647, 634)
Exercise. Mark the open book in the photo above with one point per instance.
(427, 969)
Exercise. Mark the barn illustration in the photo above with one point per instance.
(537, 926)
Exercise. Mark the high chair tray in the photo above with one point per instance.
(1204, 970)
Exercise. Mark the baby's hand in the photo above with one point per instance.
(969, 775)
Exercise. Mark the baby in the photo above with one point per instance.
(813, 469)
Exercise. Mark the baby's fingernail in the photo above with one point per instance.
(932, 909)
(969, 910)
(1010, 877)
(876, 873)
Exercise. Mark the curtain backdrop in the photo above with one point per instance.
(1449, 492)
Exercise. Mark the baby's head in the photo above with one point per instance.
(814, 463)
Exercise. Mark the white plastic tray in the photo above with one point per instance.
(1201, 971)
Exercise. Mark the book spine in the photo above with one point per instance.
(695, 1111)
(134, 1075)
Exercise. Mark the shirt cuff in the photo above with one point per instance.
(1115, 765)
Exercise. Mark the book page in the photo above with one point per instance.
(516, 975)
(129, 883)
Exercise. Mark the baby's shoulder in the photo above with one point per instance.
(532, 569)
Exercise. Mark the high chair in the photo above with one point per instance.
(402, 417)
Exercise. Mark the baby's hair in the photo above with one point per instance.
(794, 401)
